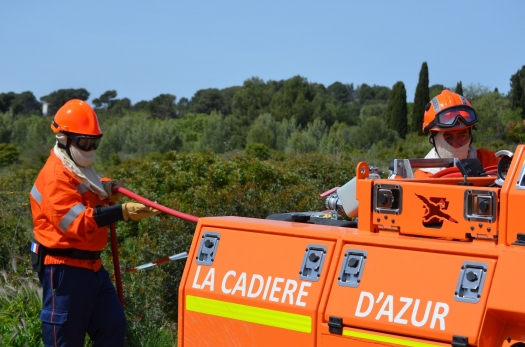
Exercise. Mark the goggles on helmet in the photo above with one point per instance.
(84, 142)
(449, 117)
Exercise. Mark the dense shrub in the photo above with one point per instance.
(8, 154)
(206, 185)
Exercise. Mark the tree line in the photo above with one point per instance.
(266, 118)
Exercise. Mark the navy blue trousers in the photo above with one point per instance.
(77, 301)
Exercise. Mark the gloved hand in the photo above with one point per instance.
(108, 186)
(136, 211)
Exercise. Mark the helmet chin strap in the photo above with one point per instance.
(432, 142)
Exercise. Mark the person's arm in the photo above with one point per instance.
(63, 207)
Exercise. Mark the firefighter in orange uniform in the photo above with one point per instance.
(450, 118)
(70, 226)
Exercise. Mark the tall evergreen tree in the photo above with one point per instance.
(421, 99)
(396, 113)
(459, 88)
(517, 90)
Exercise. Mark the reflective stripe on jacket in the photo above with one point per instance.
(63, 209)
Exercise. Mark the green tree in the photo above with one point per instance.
(5, 128)
(24, 103)
(474, 91)
(252, 99)
(163, 106)
(249, 101)
(227, 99)
(396, 113)
(436, 89)
(191, 126)
(343, 93)
(137, 136)
(326, 109)
(495, 119)
(206, 101)
(263, 130)
(106, 100)
(120, 106)
(371, 131)
(317, 129)
(303, 101)
(301, 142)
(215, 135)
(459, 88)
(517, 90)
(337, 139)
(421, 99)
(5, 101)
(372, 93)
(284, 131)
(33, 137)
(142, 105)
(373, 110)
(308, 140)
(59, 97)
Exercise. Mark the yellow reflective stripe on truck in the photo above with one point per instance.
(252, 314)
(386, 339)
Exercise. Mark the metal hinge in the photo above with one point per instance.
(520, 241)
(459, 341)
(335, 325)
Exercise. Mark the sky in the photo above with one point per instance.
(143, 49)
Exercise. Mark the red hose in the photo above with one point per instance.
(150, 203)
(454, 172)
(114, 246)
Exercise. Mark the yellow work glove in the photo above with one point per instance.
(137, 211)
(108, 187)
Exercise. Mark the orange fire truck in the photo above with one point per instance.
(429, 262)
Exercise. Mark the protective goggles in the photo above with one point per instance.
(83, 142)
(449, 117)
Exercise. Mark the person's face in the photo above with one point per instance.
(457, 138)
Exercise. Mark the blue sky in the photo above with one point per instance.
(145, 48)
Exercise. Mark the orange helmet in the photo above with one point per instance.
(449, 111)
(76, 116)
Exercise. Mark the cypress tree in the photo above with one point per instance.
(459, 88)
(396, 113)
(421, 99)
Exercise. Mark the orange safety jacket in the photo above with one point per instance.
(63, 214)
(485, 156)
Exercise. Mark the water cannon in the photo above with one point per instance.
(343, 199)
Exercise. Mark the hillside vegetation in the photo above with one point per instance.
(250, 150)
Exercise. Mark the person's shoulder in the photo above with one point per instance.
(55, 170)
(487, 157)
(484, 151)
